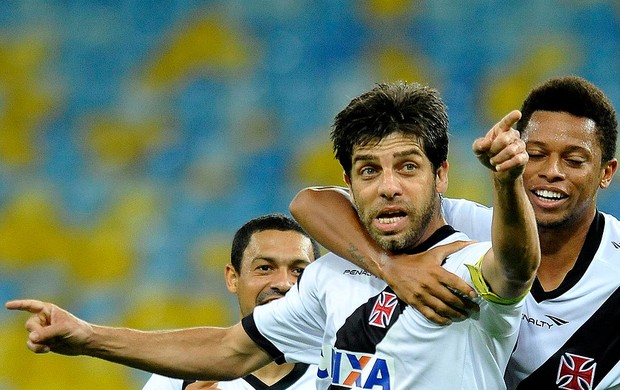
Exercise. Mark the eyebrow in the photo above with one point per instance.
(416, 151)
(569, 149)
(273, 260)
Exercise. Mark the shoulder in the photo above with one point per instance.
(612, 224)
(328, 266)
(449, 205)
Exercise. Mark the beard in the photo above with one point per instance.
(404, 241)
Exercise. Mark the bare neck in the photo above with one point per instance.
(560, 248)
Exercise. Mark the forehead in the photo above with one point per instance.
(394, 144)
(283, 246)
(561, 130)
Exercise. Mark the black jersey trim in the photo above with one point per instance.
(250, 328)
(439, 234)
(357, 335)
(287, 381)
(598, 338)
(586, 255)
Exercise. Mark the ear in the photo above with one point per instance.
(231, 277)
(608, 173)
(347, 179)
(441, 178)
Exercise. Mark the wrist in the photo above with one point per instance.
(383, 262)
(93, 340)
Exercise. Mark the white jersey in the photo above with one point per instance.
(368, 338)
(468, 217)
(569, 337)
(302, 377)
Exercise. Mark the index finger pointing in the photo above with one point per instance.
(30, 305)
(508, 121)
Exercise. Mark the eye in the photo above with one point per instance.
(535, 154)
(298, 270)
(409, 167)
(367, 171)
(575, 162)
(263, 268)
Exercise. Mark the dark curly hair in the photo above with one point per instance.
(412, 109)
(579, 97)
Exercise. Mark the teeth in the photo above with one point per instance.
(389, 220)
(548, 194)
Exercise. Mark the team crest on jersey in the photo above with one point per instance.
(356, 370)
(575, 372)
(383, 309)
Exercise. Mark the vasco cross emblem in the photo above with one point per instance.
(575, 372)
(383, 309)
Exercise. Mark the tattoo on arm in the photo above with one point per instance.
(359, 259)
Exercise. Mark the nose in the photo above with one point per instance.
(389, 185)
(551, 169)
(283, 280)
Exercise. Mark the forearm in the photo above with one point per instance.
(327, 214)
(196, 353)
(515, 237)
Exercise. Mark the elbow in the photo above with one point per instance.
(301, 202)
(525, 273)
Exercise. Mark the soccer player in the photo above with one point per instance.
(569, 334)
(268, 254)
(392, 143)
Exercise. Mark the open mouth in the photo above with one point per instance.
(549, 196)
(389, 218)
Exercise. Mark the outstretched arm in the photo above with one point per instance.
(327, 214)
(200, 353)
(510, 265)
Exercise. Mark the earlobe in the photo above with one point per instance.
(441, 178)
(231, 277)
(608, 173)
(347, 179)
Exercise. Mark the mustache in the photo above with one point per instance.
(269, 296)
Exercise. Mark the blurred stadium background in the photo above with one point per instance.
(137, 136)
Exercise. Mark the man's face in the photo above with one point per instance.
(564, 170)
(271, 264)
(395, 191)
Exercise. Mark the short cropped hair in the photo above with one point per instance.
(275, 221)
(411, 109)
(578, 97)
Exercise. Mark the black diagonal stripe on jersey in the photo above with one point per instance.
(598, 338)
(590, 246)
(357, 335)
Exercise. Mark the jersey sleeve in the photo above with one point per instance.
(471, 218)
(160, 382)
(290, 329)
(497, 317)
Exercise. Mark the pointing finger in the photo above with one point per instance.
(508, 121)
(30, 305)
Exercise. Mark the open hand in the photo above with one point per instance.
(424, 284)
